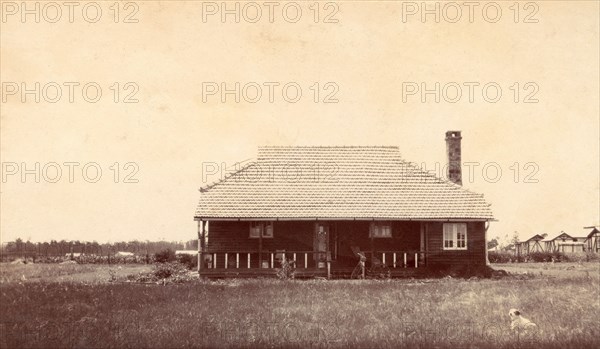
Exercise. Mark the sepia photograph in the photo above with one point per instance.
(300, 174)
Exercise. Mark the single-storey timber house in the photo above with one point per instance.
(319, 206)
(531, 245)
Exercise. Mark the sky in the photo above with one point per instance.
(138, 95)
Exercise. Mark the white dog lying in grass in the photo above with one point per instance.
(519, 323)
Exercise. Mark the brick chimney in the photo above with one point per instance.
(454, 172)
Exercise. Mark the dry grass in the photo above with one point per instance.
(90, 273)
(316, 313)
(557, 270)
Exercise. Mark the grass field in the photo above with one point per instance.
(85, 273)
(76, 306)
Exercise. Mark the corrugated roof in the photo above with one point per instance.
(337, 183)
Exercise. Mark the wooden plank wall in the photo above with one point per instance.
(405, 237)
(234, 236)
(476, 246)
(298, 236)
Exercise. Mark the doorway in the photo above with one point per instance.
(321, 244)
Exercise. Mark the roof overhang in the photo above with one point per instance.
(239, 219)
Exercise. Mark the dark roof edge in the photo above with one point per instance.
(327, 146)
(197, 218)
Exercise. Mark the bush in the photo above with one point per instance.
(580, 257)
(507, 257)
(166, 270)
(191, 262)
(547, 257)
(164, 273)
(287, 270)
(591, 256)
(502, 257)
(165, 256)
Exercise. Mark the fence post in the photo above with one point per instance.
(362, 268)
(200, 241)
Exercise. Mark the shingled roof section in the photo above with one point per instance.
(337, 183)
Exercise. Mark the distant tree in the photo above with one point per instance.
(191, 245)
(46, 248)
(63, 247)
(19, 244)
(492, 243)
(515, 238)
(134, 246)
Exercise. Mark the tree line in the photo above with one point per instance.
(60, 248)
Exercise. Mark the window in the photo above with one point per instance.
(455, 236)
(380, 230)
(268, 230)
(255, 229)
(261, 228)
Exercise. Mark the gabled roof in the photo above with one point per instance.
(536, 237)
(337, 183)
(593, 232)
(561, 235)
